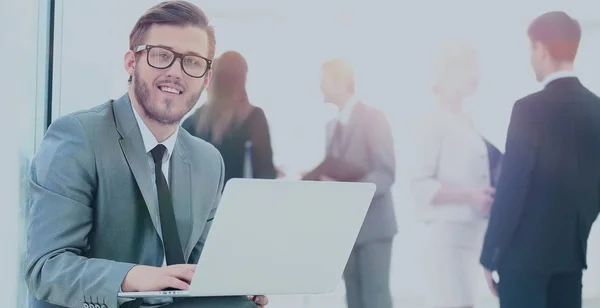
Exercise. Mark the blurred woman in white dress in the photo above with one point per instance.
(452, 184)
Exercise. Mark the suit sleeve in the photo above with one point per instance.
(62, 187)
(383, 158)
(262, 152)
(513, 184)
(195, 255)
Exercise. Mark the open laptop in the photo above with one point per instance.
(278, 237)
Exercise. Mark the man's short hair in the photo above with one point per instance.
(175, 13)
(340, 69)
(559, 33)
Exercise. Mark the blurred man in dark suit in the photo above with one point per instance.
(549, 188)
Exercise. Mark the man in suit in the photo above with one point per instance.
(121, 197)
(548, 192)
(360, 138)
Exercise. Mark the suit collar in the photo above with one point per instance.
(557, 76)
(346, 112)
(182, 178)
(127, 126)
(124, 117)
(341, 134)
(564, 82)
(133, 149)
(132, 146)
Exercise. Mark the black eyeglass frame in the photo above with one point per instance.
(177, 55)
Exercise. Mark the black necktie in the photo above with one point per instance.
(173, 250)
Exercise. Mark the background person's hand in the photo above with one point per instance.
(280, 172)
(260, 300)
(492, 284)
(142, 278)
(481, 199)
(326, 178)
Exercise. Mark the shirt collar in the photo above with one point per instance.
(150, 141)
(557, 75)
(346, 112)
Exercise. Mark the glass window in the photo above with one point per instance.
(21, 128)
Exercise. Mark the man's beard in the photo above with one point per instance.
(151, 107)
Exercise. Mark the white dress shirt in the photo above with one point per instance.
(149, 143)
(346, 112)
(343, 117)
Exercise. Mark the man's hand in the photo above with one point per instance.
(280, 170)
(492, 284)
(143, 278)
(260, 300)
(327, 178)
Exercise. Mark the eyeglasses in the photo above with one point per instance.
(161, 58)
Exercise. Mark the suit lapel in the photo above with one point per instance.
(181, 194)
(192, 198)
(330, 134)
(132, 146)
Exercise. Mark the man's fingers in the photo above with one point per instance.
(494, 288)
(172, 282)
(261, 299)
(492, 285)
(327, 178)
(181, 273)
(490, 190)
(191, 267)
(181, 268)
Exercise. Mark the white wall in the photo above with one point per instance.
(391, 48)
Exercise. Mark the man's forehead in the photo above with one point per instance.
(182, 39)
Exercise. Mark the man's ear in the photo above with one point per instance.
(129, 62)
(207, 78)
(545, 51)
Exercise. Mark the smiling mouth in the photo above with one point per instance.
(169, 90)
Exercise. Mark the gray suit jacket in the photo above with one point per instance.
(92, 205)
(367, 142)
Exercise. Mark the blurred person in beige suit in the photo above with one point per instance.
(452, 181)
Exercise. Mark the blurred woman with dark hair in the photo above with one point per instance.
(228, 121)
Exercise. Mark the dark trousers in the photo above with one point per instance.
(522, 289)
(367, 275)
